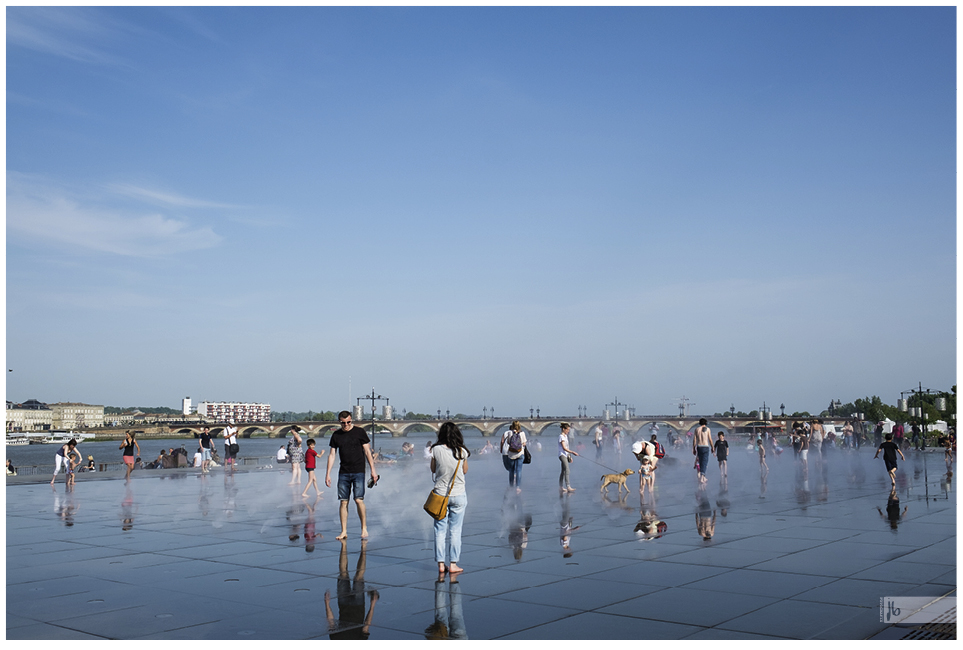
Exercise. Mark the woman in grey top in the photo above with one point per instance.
(449, 462)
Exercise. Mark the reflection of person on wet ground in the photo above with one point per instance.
(352, 623)
(566, 528)
(311, 536)
(705, 516)
(722, 499)
(66, 508)
(893, 514)
(127, 510)
(650, 527)
(517, 522)
(889, 449)
(449, 623)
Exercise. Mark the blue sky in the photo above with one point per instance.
(480, 207)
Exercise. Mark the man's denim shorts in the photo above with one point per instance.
(348, 481)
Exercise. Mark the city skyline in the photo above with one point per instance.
(509, 206)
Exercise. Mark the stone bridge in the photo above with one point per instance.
(490, 427)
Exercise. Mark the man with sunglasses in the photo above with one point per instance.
(354, 448)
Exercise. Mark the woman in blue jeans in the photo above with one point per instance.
(513, 454)
(449, 462)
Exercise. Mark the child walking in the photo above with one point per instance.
(722, 453)
(310, 464)
(762, 457)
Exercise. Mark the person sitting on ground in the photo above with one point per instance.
(159, 462)
(11, 470)
(90, 464)
(282, 455)
(198, 458)
(138, 464)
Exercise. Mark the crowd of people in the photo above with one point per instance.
(448, 458)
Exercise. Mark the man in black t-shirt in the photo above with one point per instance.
(206, 447)
(890, 449)
(354, 448)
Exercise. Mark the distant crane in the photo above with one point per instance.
(683, 403)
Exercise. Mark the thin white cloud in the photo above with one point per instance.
(166, 198)
(74, 33)
(42, 212)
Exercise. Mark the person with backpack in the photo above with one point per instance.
(659, 449)
(513, 454)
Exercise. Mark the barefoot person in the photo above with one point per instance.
(62, 459)
(295, 455)
(565, 457)
(701, 446)
(722, 453)
(449, 462)
(310, 463)
(890, 449)
(354, 448)
(128, 446)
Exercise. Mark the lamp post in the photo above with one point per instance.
(372, 397)
(531, 413)
(484, 413)
(917, 411)
(732, 410)
(782, 410)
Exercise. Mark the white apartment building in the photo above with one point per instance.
(237, 411)
(74, 415)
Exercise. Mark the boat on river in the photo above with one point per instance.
(61, 438)
(15, 440)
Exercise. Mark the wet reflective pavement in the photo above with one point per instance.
(792, 555)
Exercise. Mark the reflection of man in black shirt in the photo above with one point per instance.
(351, 623)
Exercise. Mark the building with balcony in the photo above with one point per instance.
(237, 411)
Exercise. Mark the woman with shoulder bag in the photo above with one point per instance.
(449, 462)
(513, 454)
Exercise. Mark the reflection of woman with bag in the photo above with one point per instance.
(449, 462)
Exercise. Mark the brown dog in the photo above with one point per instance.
(618, 479)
